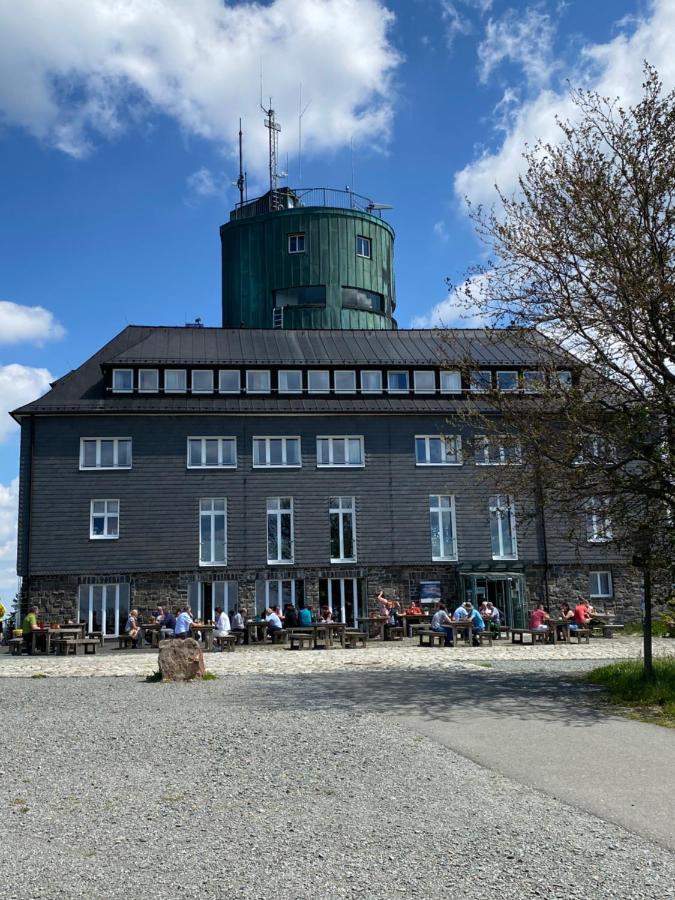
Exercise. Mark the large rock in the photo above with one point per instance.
(181, 660)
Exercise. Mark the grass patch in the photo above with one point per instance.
(39, 675)
(156, 676)
(650, 701)
(209, 676)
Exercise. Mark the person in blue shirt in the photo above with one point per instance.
(184, 623)
(305, 616)
(273, 621)
(477, 623)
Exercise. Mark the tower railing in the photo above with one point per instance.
(302, 198)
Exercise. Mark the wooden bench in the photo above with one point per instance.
(66, 646)
(299, 639)
(579, 634)
(393, 632)
(15, 646)
(97, 635)
(429, 638)
(608, 630)
(279, 636)
(354, 637)
(520, 633)
(415, 629)
(486, 635)
(226, 641)
(125, 641)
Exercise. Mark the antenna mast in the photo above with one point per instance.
(274, 128)
(301, 113)
(241, 181)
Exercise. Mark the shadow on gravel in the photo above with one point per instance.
(442, 696)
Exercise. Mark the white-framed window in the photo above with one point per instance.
(229, 381)
(318, 381)
(345, 381)
(371, 381)
(104, 607)
(279, 530)
(443, 529)
(175, 381)
(104, 520)
(503, 528)
(148, 381)
(105, 453)
(497, 450)
(290, 381)
(213, 532)
(339, 451)
(278, 592)
(212, 453)
(205, 596)
(600, 584)
(565, 379)
(451, 381)
(598, 521)
(364, 246)
(397, 381)
(424, 381)
(202, 381)
(507, 381)
(123, 381)
(596, 450)
(480, 381)
(276, 452)
(534, 381)
(342, 517)
(257, 381)
(438, 450)
(296, 242)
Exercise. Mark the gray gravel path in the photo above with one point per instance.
(115, 788)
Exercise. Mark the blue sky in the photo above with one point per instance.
(118, 129)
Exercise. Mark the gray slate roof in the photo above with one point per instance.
(83, 390)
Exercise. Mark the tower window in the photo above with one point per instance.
(358, 298)
(296, 243)
(364, 246)
(310, 295)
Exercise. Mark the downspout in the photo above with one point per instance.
(544, 539)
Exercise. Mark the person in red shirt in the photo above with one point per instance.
(538, 618)
(581, 614)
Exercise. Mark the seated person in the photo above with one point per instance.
(477, 623)
(325, 616)
(184, 623)
(131, 628)
(29, 625)
(273, 621)
(460, 613)
(538, 618)
(290, 616)
(222, 623)
(414, 609)
(442, 623)
(305, 616)
(168, 625)
(238, 624)
(582, 617)
(383, 605)
(486, 615)
(567, 615)
(394, 612)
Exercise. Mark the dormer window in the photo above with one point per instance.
(123, 381)
(397, 381)
(290, 381)
(258, 381)
(507, 381)
(296, 242)
(148, 381)
(425, 382)
(175, 381)
(481, 381)
(202, 381)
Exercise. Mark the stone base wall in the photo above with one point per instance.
(57, 595)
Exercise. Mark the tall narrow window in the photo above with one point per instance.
(279, 530)
(442, 522)
(342, 529)
(212, 453)
(438, 450)
(598, 522)
(105, 453)
(213, 532)
(104, 522)
(339, 451)
(503, 528)
(363, 246)
(276, 452)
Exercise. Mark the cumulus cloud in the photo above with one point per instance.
(72, 73)
(9, 499)
(19, 385)
(32, 324)
(524, 38)
(454, 311)
(613, 69)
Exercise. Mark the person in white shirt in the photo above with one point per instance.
(222, 622)
(184, 623)
(442, 623)
(273, 621)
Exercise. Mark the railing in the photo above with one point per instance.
(295, 198)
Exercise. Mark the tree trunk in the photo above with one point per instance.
(647, 623)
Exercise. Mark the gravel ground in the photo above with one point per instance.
(124, 789)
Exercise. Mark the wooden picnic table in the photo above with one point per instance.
(154, 628)
(254, 629)
(378, 622)
(42, 635)
(207, 634)
(462, 625)
(410, 619)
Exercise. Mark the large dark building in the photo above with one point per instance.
(308, 451)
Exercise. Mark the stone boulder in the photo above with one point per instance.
(181, 660)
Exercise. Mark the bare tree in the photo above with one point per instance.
(583, 266)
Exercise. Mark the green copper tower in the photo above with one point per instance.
(306, 259)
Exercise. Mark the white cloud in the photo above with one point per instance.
(455, 311)
(27, 323)
(74, 72)
(205, 183)
(441, 231)
(19, 385)
(523, 37)
(457, 16)
(613, 69)
(9, 499)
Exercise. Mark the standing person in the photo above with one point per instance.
(131, 628)
(477, 623)
(539, 618)
(184, 623)
(29, 625)
(383, 605)
(442, 623)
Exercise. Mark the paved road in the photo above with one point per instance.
(542, 730)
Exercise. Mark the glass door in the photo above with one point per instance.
(104, 607)
(344, 598)
(278, 592)
(204, 596)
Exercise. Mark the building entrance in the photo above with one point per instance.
(345, 597)
(505, 591)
